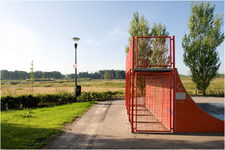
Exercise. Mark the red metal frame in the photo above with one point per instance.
(132, 63)
(174, 86)
(164, 110)
(137, 60)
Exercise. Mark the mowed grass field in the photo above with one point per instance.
(47, 87)
(216, 86)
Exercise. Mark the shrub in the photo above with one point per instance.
(29, 101)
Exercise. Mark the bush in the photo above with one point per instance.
(29, 101)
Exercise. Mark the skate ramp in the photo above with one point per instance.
(189, 116)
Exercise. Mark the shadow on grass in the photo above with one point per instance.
(18, 136)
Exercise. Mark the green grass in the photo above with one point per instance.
(216, 87)
(32, 128)
(184, 76)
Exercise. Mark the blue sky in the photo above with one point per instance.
(42, 31)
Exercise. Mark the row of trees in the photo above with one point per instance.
(199, 45)
(102, 74)
(16, 75)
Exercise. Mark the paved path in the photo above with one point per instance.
(106, 125)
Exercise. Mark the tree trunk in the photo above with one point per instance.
(204, 92)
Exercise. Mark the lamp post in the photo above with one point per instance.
(75, 40)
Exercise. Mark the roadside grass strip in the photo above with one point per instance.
(31, 128)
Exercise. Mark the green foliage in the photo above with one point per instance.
(139, 26)
(41, 76)
(107, 75)
(183, 76)
(32, 74)
(199, 46)
(159, 30)
(156, 50)
(31, 101)
(160, 47)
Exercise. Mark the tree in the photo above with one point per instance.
(32, 74)
(156, 50)
(5, 74)
(118, 74)
(107, 75)
(199, 46)
(160, 46)
(139, 26)
(102, 72)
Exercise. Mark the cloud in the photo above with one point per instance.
(88, 42)
(115, 35)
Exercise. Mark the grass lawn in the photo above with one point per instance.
(216, 85)
(32, 128)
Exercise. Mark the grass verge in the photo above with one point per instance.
(32, 128)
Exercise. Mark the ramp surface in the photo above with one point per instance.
(190, 117)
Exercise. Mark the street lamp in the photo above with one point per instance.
(75, 40)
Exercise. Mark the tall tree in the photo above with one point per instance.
(155, 51)
(199, 46)
(139, 26)
(32, 74)
(160, 46)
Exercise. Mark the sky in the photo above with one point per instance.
(42, 30)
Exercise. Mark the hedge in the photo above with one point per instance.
(30, 100)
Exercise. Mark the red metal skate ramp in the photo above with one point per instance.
(190, 117)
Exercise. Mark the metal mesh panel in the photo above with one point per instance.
(153, 52)
(152, 112)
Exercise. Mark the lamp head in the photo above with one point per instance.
(75, 40)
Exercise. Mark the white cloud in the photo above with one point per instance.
(88, 42)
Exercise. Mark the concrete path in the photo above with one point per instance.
(106, 125)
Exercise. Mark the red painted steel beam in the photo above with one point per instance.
(174, 88)
(132, 109)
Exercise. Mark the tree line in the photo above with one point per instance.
(102, 74)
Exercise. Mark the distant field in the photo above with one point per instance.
(217, 85)
(184, 76)
(60, 85)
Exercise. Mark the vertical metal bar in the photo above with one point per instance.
(136, 102)
(162, 98)
(174, 88)
(137, 52)
(129, 95)
(132, 94)
(170, 114)
(170, 53)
